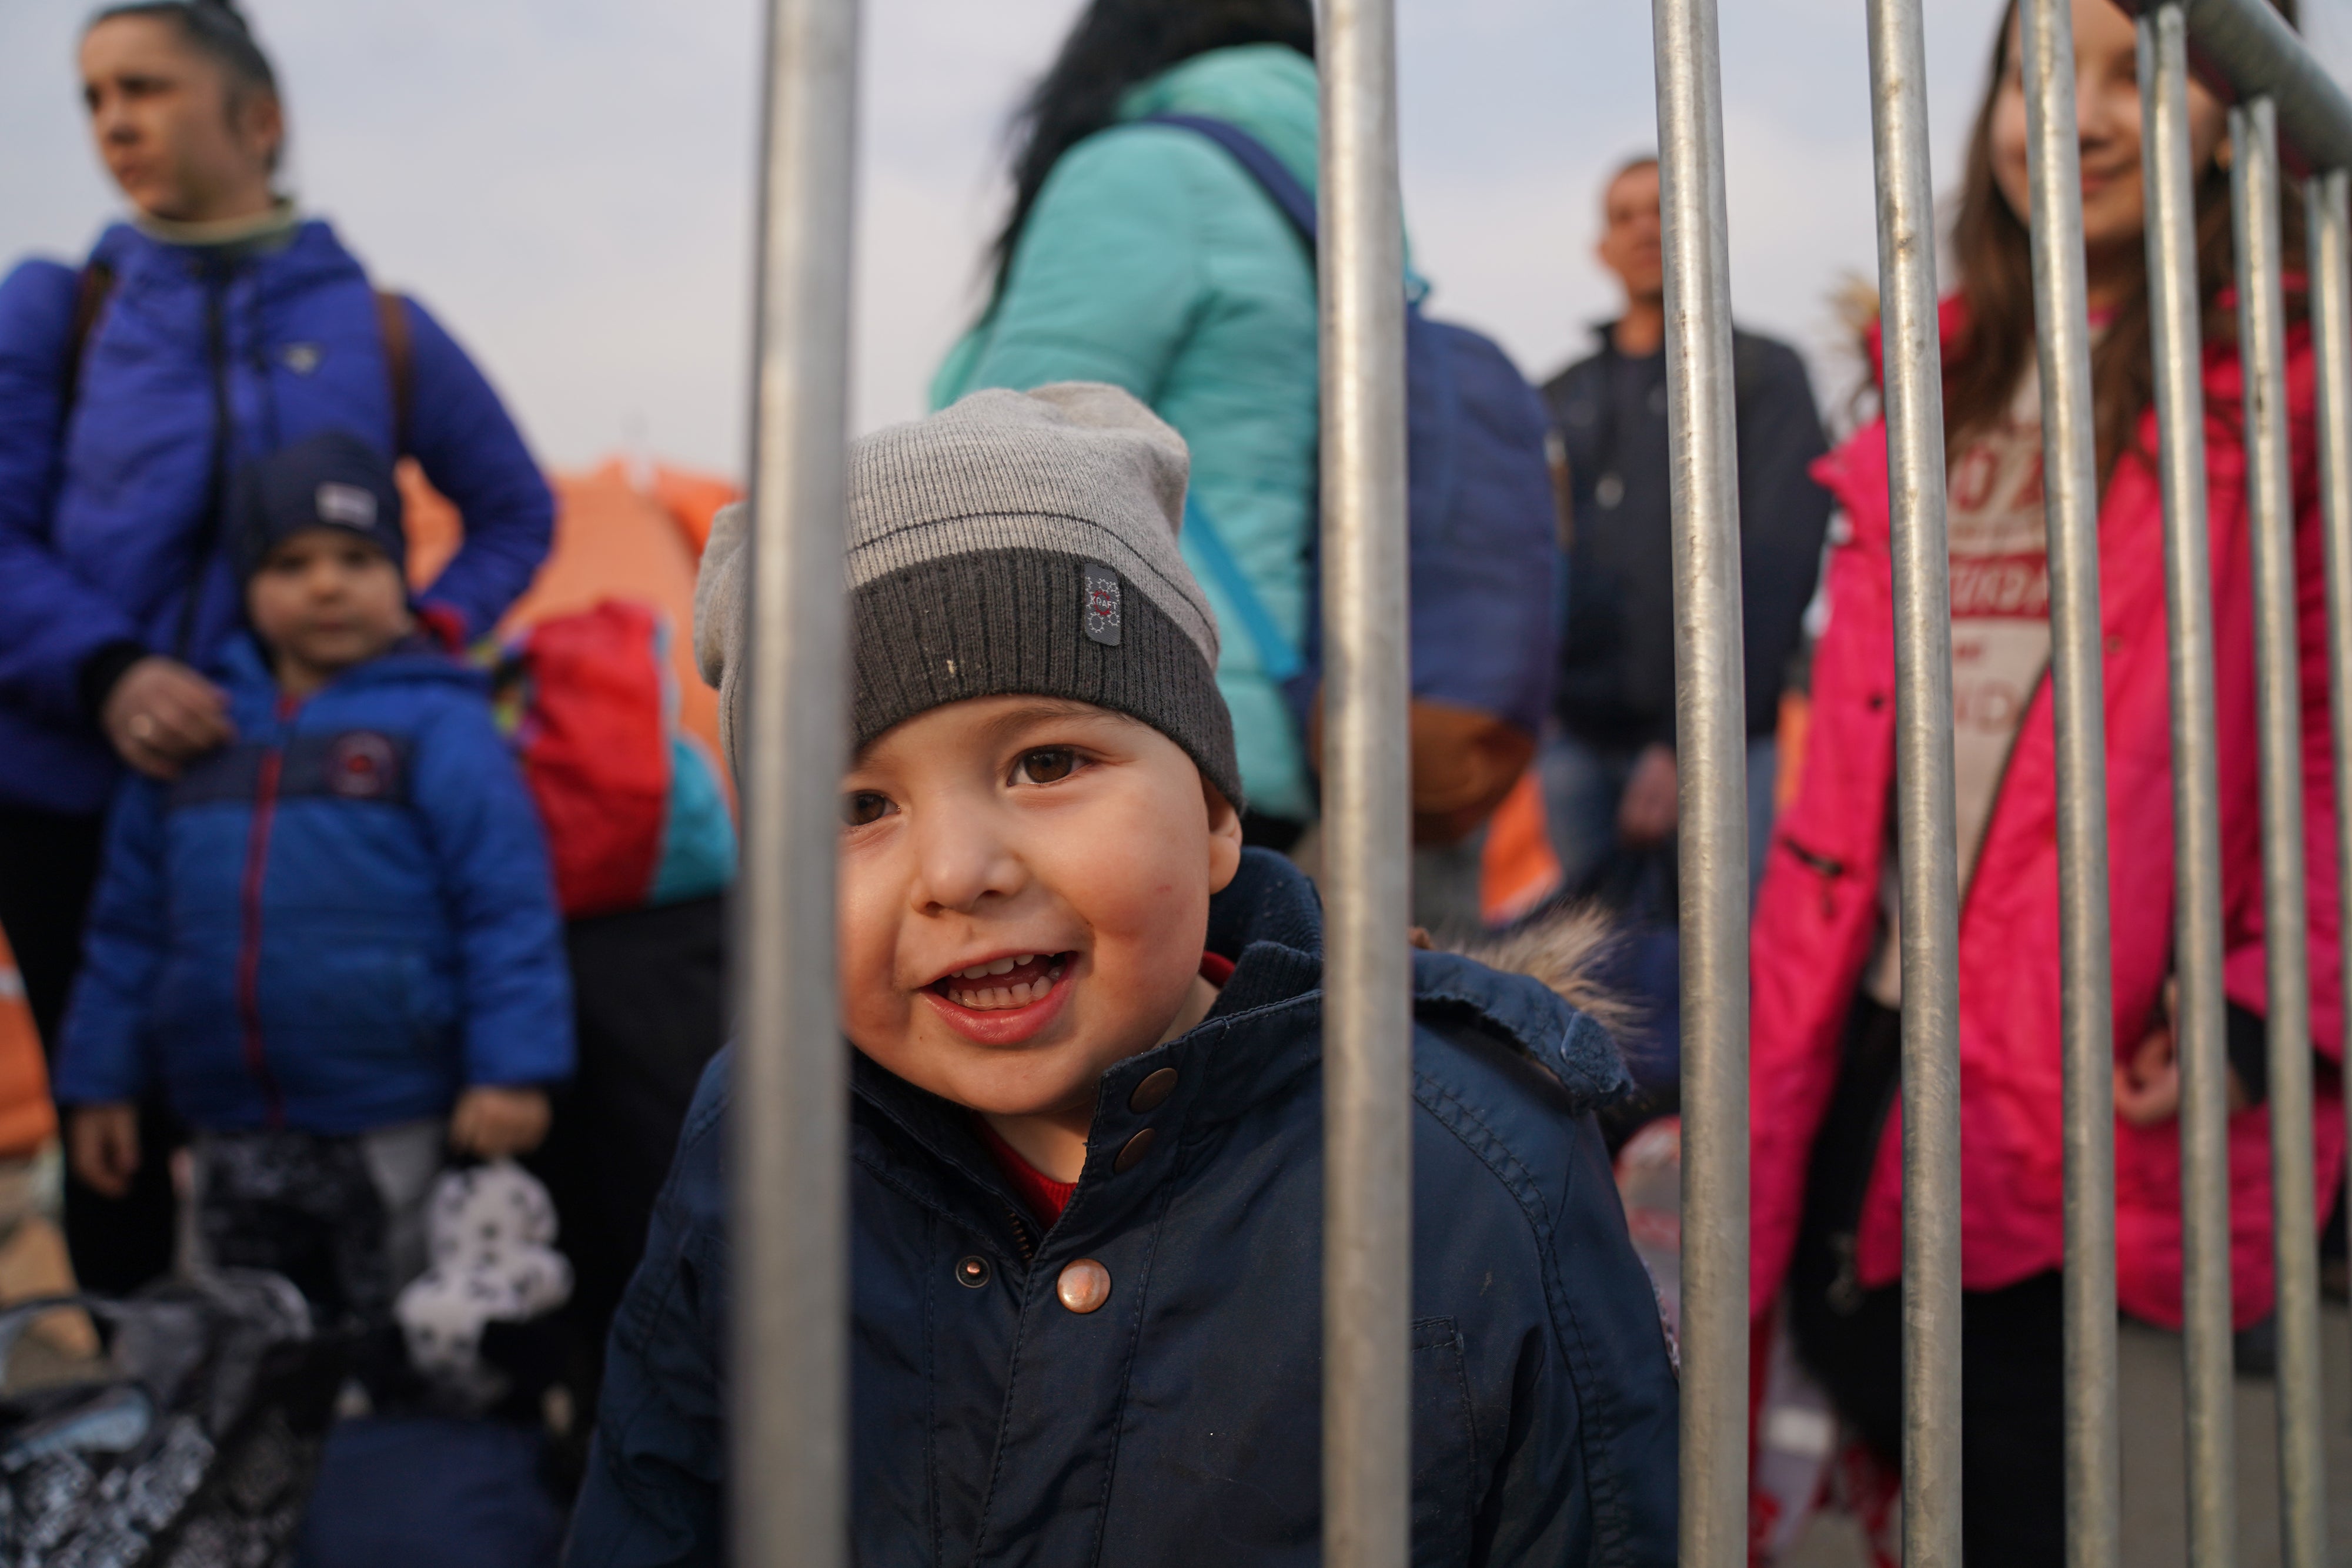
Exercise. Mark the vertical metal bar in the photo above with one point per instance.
(1711, 739)
(2254, 193)
(2329, 209)
(1927, 840)
(2077, 681)
(787, 1135)
(1367, 1063)
(2198, 1018)
(2253, 47)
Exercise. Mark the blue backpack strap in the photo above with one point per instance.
(1278, 654)
(1296, 201)
(1280, 657)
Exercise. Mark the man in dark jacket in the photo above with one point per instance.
(1609, 776)
(1086, 1129)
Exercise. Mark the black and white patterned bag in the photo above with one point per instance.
(196, 1447)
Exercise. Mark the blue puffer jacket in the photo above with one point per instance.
(332, 926)
(101, 521)
(1180, 1423)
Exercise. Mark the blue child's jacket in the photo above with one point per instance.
(1180, 1423)
(335, 924)
(104, 515)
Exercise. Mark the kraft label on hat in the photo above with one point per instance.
(347, 506)
(1102, 604)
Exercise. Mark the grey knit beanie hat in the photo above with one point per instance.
(1013, 542)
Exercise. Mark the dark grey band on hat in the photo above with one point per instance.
(1007, 622)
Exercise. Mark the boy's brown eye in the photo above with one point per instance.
(860, 807)
(1049, 764)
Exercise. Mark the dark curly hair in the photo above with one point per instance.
(1115, 45)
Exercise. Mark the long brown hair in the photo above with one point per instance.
(1992, 252)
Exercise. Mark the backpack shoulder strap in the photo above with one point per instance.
(90, 294)
(1289, 193)
(399, 362)
(1278, 655)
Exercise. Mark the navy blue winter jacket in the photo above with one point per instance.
(334, 924)
(104, 522)
(1180, 1423)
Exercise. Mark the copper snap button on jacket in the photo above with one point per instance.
(1084, 1285)
(973, 1272)
(1153, 1091)
(1132, 1154)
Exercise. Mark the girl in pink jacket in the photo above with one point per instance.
(1827, 1150)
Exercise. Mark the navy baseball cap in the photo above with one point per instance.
(332, 480)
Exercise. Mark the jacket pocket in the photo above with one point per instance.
(1445, 1447)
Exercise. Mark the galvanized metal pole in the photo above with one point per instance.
(1710, 741)
(1926, 838)
(2077, 672)
(1367, 1017)
(2251, 44)
(2255, 196)
(2198, 1018)
(787, 1132)
(2329, 263)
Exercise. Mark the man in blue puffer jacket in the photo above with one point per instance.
(325, 937)
(216, 325)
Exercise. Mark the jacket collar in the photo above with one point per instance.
(244, 668)
(310, 255)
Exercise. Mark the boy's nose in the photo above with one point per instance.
(961, 862)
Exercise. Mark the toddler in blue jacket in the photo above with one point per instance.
(332, 943)
(1086, 1182)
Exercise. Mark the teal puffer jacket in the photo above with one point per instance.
(1154, 262)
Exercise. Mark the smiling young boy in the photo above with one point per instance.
(1087, 1195)
(334, 940)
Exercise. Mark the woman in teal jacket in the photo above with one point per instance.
(1144, 257)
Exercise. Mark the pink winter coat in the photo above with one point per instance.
(1817, 914)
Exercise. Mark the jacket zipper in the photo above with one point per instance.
(249, 958)
(1020, 1234)
(216, 482)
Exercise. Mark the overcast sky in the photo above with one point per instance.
(567, 182)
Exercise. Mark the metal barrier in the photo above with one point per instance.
(2078, 703)
(1711, 738)
(787, 1138)
(1366, 822)
(2247, 51)
(1927, 840)
(2196, 944)
(2242, 44)
(788, 1127)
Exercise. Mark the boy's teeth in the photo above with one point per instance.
(1024, 960)
(1001, 966)
(1019, 996)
